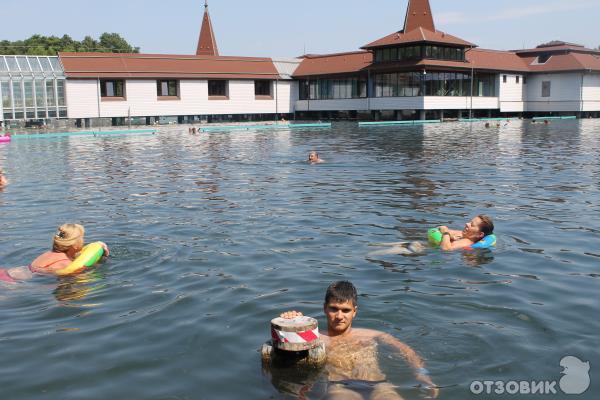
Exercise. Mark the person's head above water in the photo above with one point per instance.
(313, 157)
(341, 304)
(478, 228)
(68, 237)
(341, 292)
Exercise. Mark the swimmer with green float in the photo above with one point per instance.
(477, 234)
(69, 256)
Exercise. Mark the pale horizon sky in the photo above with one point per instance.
(271, 28)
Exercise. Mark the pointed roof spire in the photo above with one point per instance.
(418, 15)
(207, 45)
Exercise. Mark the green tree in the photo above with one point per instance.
(88, 44)
(51, 45)
(116, 44)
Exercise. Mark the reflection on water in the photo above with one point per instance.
(212, 235)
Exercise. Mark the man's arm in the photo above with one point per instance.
(413, 360)
(448, 244)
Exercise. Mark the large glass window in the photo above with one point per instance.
(406, 84)
(263, 88)
(112, 88)
(29, 100)
(60, 91)
(331, 89)
(167, 88)
(6, 98)
(419, 52)
(217, 88)
(303, 89)
(39, 94)
(50, 97)
(17, 94)
(484, 85)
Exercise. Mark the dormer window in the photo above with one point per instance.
(543, 58)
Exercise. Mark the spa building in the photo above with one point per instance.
(416, 72)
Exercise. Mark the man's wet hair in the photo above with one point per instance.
(341, 292)
(487, 225)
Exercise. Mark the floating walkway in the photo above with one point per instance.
(26, 136)
(393, 123)
(487, 119)
(270, 126)
(565, 117)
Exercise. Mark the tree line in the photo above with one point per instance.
(50, 45)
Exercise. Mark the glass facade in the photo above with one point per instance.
(409, 84)
(419, 52)
(330, 89)
(32, 87)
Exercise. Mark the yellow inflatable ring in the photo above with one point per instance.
(89, 255)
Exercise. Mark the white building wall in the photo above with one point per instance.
(142, 100)
(287, 92)
(459, 103)
(591, 92)
(82, 98)
(565, 92)
(512, 93)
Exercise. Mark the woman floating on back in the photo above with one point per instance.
(67, 244)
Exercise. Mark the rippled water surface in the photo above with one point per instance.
(213, 235)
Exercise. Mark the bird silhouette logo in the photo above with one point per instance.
(576, 379)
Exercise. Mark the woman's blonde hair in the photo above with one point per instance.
(67, 236)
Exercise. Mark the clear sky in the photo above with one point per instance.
(280, 28)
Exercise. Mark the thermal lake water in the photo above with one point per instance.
(215, 234)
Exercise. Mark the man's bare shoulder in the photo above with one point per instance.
(365, 333)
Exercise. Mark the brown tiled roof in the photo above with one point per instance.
(339, 63)
(496, 60)
(418, 35)
(344, 63)
(564, 62)
(566, 47)
(110, 65)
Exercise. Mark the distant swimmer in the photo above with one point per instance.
(352, 367)
(313, 158)
(3, 180)
(475, 230)
(67, 243)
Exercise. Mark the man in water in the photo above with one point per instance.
(475, 230)
(313, 158)
(352, 366)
